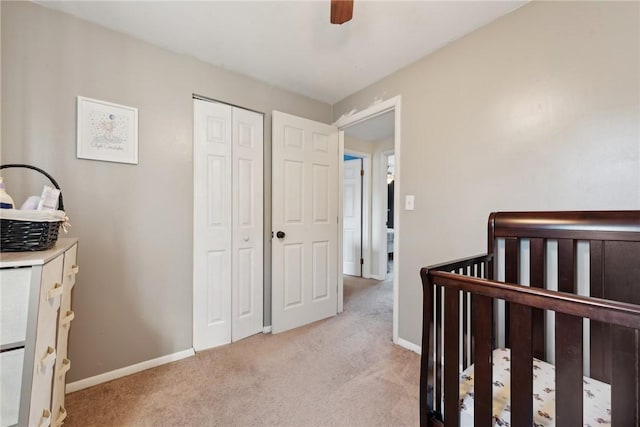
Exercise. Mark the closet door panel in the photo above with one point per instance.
(247, 259)
(212, 224)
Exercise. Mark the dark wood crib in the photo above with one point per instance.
(464, 322)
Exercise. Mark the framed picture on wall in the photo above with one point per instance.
(107, 131)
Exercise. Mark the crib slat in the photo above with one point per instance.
(465, 332)
(451, 357)
(566, 265)
(620, 284)
(511, 264)
(482, 337)
(536, 280)
(438, 344)
(625, 378)
(521, 365)
(569, 369)
(599, 354)
(471, 317)
(568, 343)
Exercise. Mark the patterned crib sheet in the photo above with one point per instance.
(597, 395)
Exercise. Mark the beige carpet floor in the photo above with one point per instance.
(342, 371)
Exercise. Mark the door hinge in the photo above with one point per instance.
(361, 261)
(272, 234)
(361, 172)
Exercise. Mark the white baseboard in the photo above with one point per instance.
(266, 329)
(127, 370)
(409, 346)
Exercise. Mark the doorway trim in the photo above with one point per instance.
(342, 123)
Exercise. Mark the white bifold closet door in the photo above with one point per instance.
(228, 224)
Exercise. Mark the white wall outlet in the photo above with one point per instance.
(409, 202)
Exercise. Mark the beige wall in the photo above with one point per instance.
(370, 147)
(538, 110)
(133, 301)
(352, 143)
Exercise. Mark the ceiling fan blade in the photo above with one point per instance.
(341, 11)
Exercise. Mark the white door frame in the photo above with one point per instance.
(391, 104)
(366, 210)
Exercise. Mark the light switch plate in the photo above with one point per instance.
(409, 202)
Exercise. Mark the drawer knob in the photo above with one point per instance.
(68, 318)
(45, 421)
(49, 359)
(66, 365)
(55, 291)
(73, 270)
(61, 416)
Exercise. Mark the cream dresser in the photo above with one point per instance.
(35, 316)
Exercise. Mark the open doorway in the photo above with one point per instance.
(375, 131)
(372, 139)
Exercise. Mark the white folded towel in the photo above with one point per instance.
(32, 215)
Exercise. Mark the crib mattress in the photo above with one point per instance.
(597, 395)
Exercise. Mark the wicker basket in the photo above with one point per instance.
(22, 236)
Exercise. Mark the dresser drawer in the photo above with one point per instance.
(11, 363)
(15, 286)
(59, 380)
(64, 325)
(66, 315)
(45, 353)
(70, 268)
(63, 364)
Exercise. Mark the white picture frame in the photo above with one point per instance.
(107, 131)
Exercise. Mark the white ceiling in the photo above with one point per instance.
(291, 44)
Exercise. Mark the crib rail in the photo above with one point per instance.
(431, 367)
(586, 225)
(570, 309)
(612, 312)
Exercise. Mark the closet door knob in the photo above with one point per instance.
(280, 234)
(246, 238)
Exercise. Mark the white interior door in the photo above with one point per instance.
(352, 217)
(304, 220)
(248, 206)
(227, 224)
